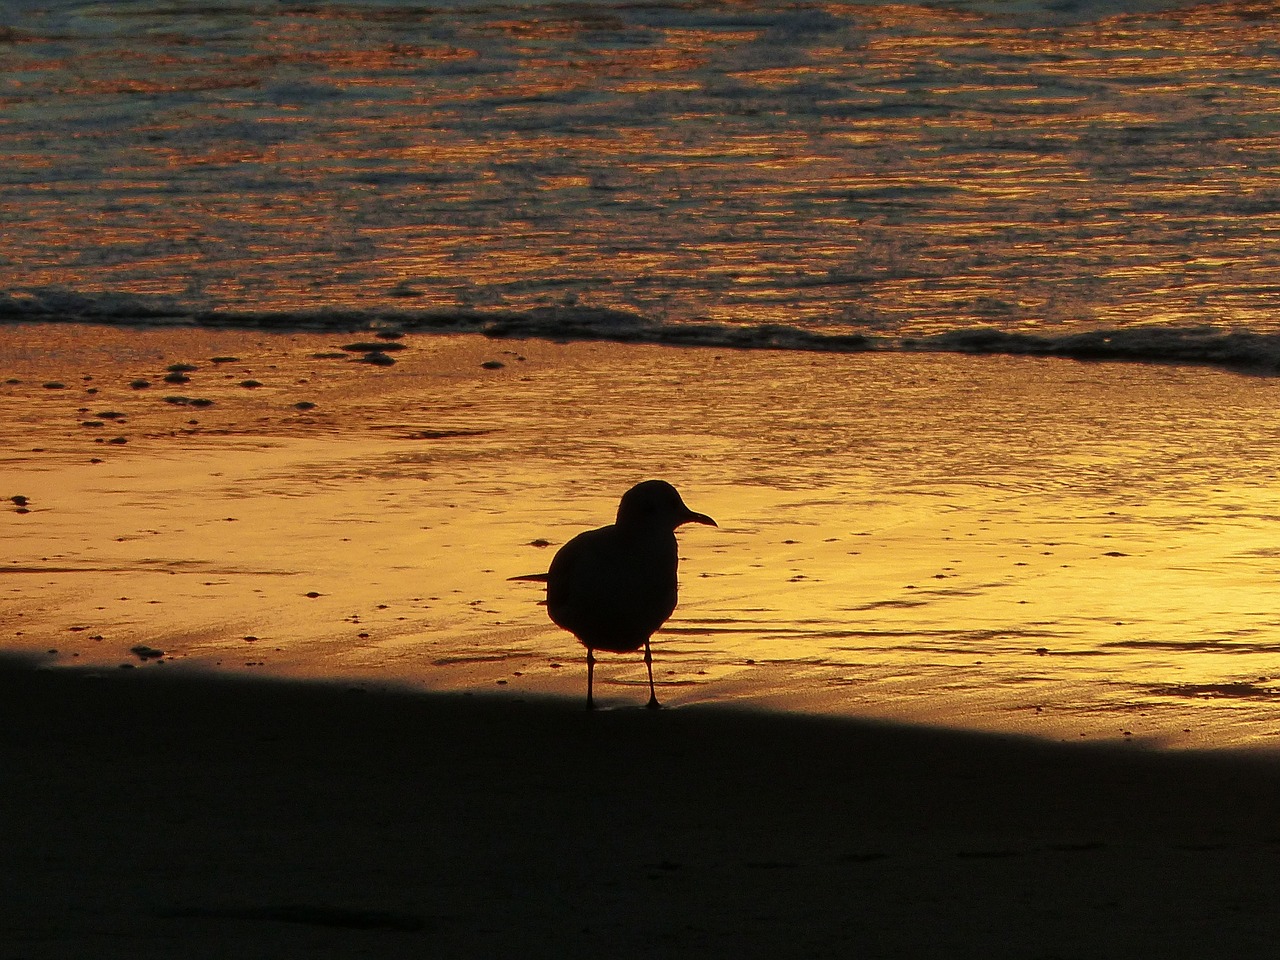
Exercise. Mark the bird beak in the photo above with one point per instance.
(700, 518)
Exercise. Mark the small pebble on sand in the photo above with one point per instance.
(140, 384)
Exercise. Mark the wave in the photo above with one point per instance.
(1236, 349)
(1242, 350)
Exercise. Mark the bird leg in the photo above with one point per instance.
(653, 703)
(591, 666)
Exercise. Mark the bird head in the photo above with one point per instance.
(656, 503)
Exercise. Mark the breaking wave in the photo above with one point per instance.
(1203, 345)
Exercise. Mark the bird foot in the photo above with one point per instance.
(653, 704)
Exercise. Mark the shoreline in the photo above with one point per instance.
(153, 814)
(1212, 346)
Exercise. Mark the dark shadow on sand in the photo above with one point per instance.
(160, 813)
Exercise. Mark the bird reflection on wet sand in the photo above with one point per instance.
(614, 586)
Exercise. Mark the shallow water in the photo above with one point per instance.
(1024, 544)
(888, 169)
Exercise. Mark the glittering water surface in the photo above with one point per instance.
(883, 167)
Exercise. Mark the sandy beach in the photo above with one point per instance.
(1066, 550)
(270, 692)
(158, 815)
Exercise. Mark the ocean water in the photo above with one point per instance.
(1083, 177)
(1012, 542)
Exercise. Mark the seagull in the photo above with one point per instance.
(614, 586)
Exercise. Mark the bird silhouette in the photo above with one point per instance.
(614, 586)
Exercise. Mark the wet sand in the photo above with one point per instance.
(153, 814)
(1038, 546)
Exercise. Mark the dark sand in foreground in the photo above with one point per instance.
(171, 814)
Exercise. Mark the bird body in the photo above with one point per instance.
(614, 586)
(617, 604)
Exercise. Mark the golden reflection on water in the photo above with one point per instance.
(890, 168)
(1043, 546)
